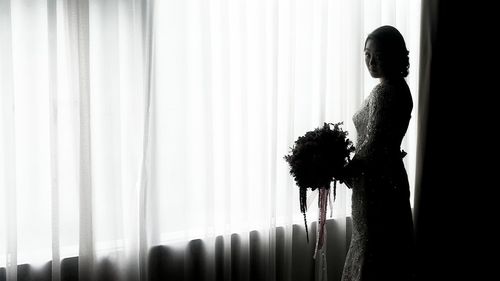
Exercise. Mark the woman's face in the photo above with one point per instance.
(373, 59)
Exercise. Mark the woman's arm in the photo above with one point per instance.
(382, 117)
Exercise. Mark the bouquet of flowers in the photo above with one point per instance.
(317, 159)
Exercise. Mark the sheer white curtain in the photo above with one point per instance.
(129, 124)
(73, 102)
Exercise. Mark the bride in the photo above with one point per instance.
(382, 242)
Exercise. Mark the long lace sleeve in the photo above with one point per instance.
(382, 125)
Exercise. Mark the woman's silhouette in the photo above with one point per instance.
(382, 237)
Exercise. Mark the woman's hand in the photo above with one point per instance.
(350, 171)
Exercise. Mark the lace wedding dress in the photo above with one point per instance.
(382, 235)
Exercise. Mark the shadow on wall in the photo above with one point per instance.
(192, 262)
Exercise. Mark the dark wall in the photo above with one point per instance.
(455, 91)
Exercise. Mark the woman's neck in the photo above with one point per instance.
(391, 80)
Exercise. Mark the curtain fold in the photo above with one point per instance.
(142, 140)
(8, 214)
(53, 138)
